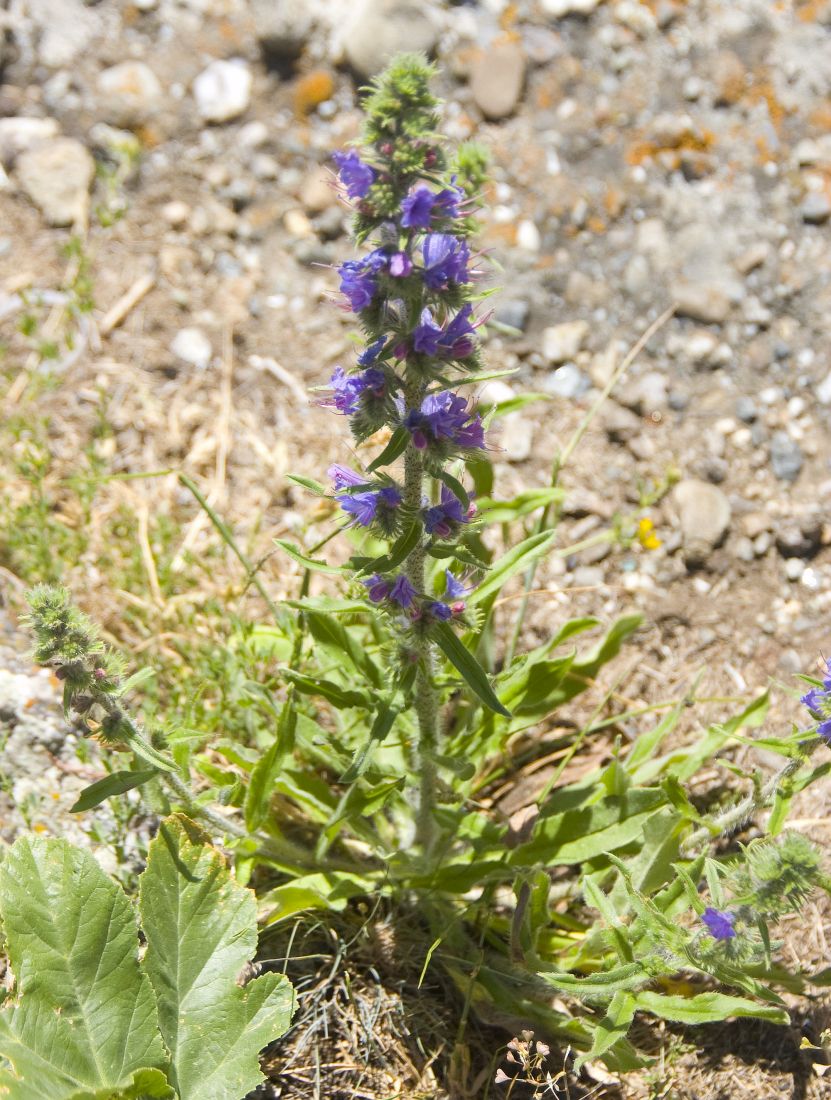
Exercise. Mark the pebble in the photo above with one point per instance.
(560, 343)
(381, 28)
(19, 134)
(282, 27)
(747, 410)
(192, 346)
(621, 425)
(701, 302)
(516, 437)
(497, 79)
(729, 77)
(799, 540)
(794, 568)
(567, 381)
(129, 94)
(528, 236)
(513, 312)
(57, 177)
(704, 513)
(823, 391)
(559, 8)
(815, 208)
(223, 90)
(785, 456)
(176, 213)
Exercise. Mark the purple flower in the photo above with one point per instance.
(445, 260)
(444, 416)
(719, 924)
(400, 265)
(358, 279)
(818, 702)
(454, 588)
(440, 610)
(422, 204)
(356, 176)
(344, 478)
(444, 517)
(402, 592)
(377, 587)
(814, 700)
(349, 388)
(453, 342)
(371, 353)
(378, 504)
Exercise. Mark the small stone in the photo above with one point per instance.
(621, 425)
(516, 437)
(704, 513)
(298, 224)
(223, 90)
(311, 90)
(762, 543)
(19, 134)
(176, 213)
(129, 93)
(252, 135)
(559, 8)
(785, 456)
(794, 568)
(192, 346)
(746, 410)
(752, 258)
(729, 77)
(567, 381)
(800, 540)
(701, 302)
(513, 312)
(823, 391)
(744, 550)
(636, 16)
(379, 29)
(57, 177)
(330, 224)
(528, 236)
(316, 191)
(282, 27)
(494, 392)
(560, 343)
(497, 79)
(815, 208)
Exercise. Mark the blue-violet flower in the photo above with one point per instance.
(349, 389)
(356, 176)
(818, 702)
(443, 518)
(445, 260)
(719, 923)
(422, 204)
(445, 416)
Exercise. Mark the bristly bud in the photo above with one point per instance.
(777, 875)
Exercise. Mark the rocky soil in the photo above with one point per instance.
(645, 155)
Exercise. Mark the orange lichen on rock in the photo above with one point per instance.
(699, 141)
(311, 90)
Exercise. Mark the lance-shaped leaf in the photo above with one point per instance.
(84, 1021)
(201, 929)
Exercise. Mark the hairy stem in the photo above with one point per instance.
(426, 701)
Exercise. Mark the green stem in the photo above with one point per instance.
(426, 702)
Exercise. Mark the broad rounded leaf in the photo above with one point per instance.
(201, 929)
(84, 1020)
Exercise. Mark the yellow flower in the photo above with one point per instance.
(646, 534)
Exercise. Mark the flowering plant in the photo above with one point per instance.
(393, 714)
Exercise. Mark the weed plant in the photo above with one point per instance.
(384, 705)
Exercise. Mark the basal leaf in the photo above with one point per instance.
(314, 564)
(201, 930)
(267, 768)
(505, 511)
(706, 1008)
(84, 1020)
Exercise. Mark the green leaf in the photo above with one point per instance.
(325, 629)
(706, 1008)
(505, 511)
(467, 666)
(134, 681)
(147, 1084)
(317, 890)
(201, 929)
(612, 1028)
(84, 1019)
(393, 450)
(519, 557)
(399, 550)
(313, 564)
(116, 783)
(381, 726)
(456, 488)
(265, 771)
(309, 483)
(339, 697)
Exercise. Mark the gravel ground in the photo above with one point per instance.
(645, 155)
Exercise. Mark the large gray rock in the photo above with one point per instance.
(381, 28)
(57, 177)
(64, 29)
(704, 514)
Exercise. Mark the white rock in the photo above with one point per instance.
(380, 28)
(57, 177)
(253, 134)
(516, 437)
(794, 568)
(223, 90)
(130, 93)
(560, 343)
(19, 134)
(528, 236)
(192, 346)
(636, 17)
(559, 8)
(494, 392)
(176, 213)
(64, 29)
(704, 513)
(823, 391)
